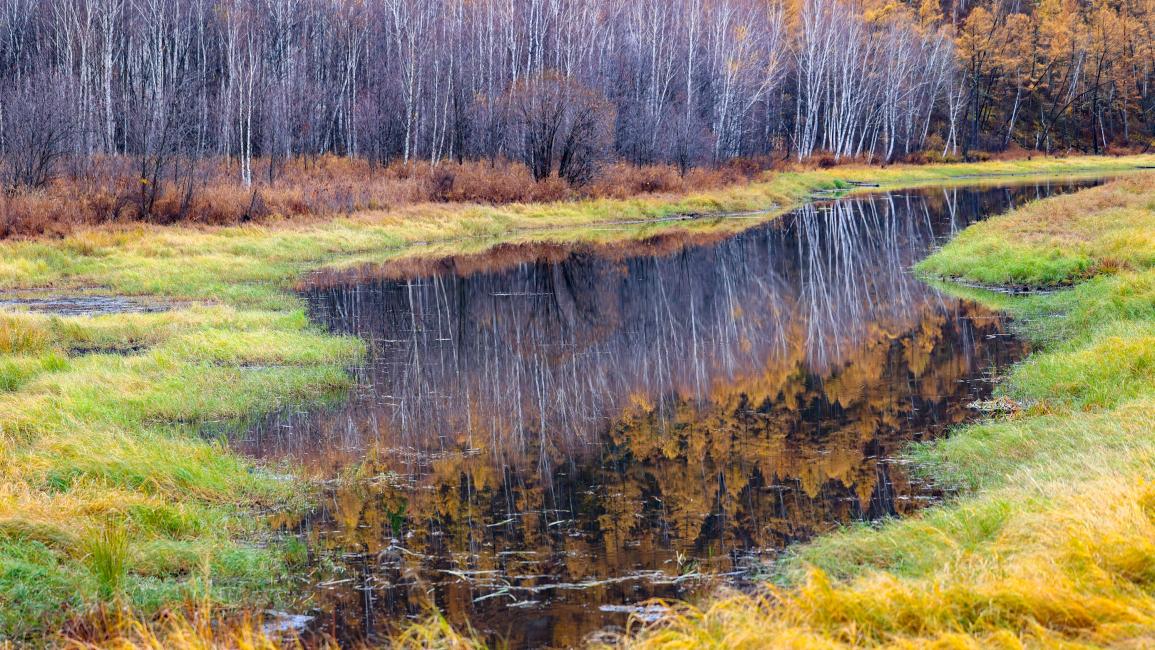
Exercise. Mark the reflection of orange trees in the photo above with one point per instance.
(757, 461)
(545, 351)
(579, 415)
(742, 435)
(787, 372)
(755, 465)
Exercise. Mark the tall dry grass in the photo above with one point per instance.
(108, 190)
(197, 627)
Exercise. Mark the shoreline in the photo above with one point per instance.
(103, 445)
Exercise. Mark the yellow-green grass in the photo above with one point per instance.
(1063, 241)
(1051, 541)
(109, 491)
(103, 446)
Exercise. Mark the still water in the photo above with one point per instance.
(545, 436)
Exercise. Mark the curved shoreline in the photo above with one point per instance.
(107, 443)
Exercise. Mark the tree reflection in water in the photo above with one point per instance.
(543, 434)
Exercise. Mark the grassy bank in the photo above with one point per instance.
(108, 493)
(1053, 540)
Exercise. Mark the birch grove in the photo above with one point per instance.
(689, 82)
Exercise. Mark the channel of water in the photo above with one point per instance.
(543, 437)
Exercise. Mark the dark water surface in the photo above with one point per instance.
(544, 436)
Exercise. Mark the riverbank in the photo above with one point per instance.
(107, 491)
(1050, 542)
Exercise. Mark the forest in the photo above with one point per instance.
(149, 101)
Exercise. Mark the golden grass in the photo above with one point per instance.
(435, 633)
(198, 627)
(1074, 570)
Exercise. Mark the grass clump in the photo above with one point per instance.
(1051, 542)
(22, 335)
(106, 553)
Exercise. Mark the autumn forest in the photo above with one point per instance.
(563, 85)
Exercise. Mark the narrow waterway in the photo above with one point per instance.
(544, 436)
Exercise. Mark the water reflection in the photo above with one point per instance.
(545, 435)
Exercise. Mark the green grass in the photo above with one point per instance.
(1052, 539)
(100, 416)
(1071, 239)
(106, 554)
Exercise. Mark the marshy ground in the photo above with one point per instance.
(109, 494)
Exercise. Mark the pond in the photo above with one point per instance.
(545, 436)
(79, 304)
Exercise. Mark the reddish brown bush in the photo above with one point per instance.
(487, 182)
(825, 162)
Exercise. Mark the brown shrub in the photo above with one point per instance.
(550, 189)
(106, 189)
(711, 178)
(743, 169)
(489, 182)
(104, 206)
(219, 205)
(622, 180)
